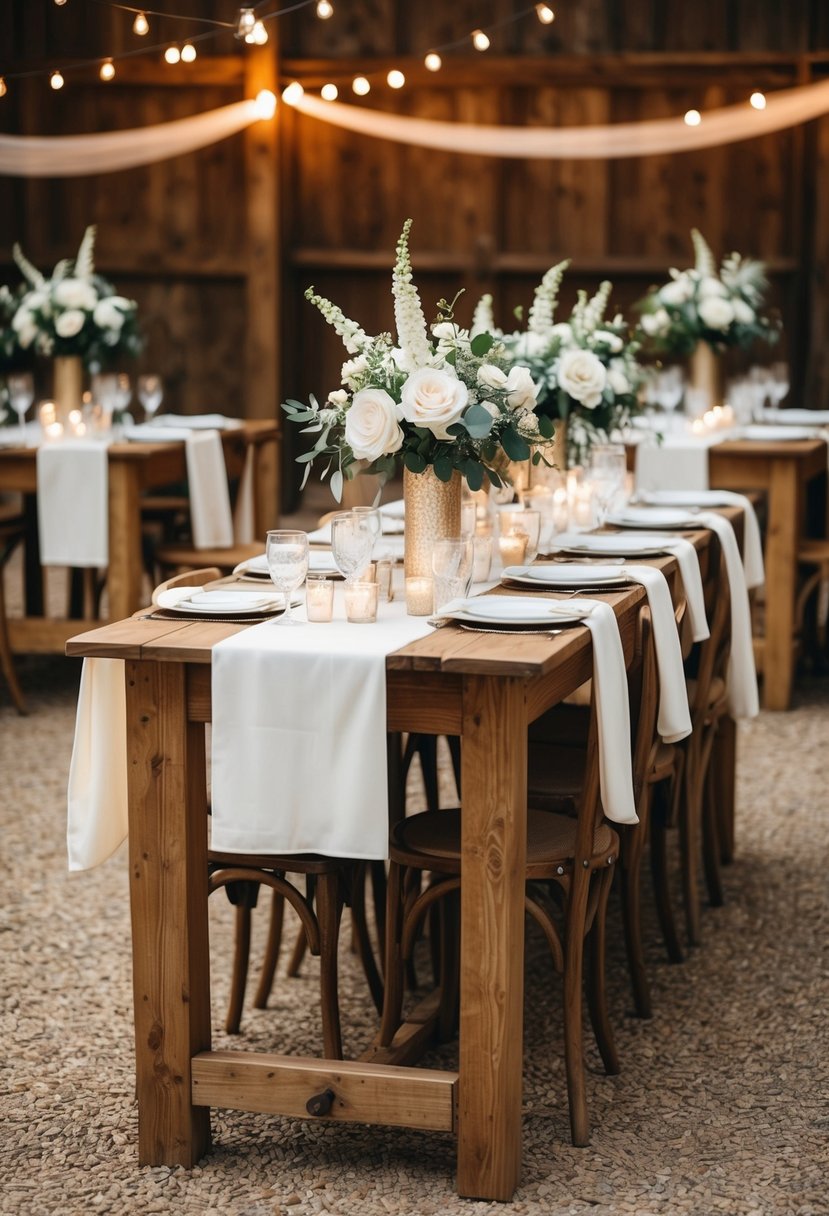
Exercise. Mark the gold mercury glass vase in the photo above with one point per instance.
(705, 373)
(433, 512)
(67, 384)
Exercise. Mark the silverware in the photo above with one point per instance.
(515, 633)
(590, 561)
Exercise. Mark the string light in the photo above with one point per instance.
(172, 54)
(107, 70)
(545, 14)
(3, 87)
(395, 79)
(292, 93)
(60, 3)
(692, 118)
(329, 92)
(361, 86)
(480, 40)
(258, 36)
(265, 104)
(188, 52)
(325, 9)
(245, 23)
(758, 100)
(140, 25)
(433, 62)
(56, 80)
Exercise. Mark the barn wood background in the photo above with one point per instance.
(218, 246)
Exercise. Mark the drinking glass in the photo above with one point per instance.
(608, 465)
(670, 385)
(452, 567)
(352, 540)
(287, 553)
(105, 391)
(123, 392)
(373, 518)
(150, 394)
(21, 388)
(523, 523)
(779, 383)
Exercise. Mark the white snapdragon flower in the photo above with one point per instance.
(434, 399)
(530, 345)
(25, 326)
(716, 313)
(75, 294)
(613, 341)
(107, 316)
(521, 389)
(563, 331)
(582, 376)
(372, 427)
(655, 324)
(353, 369)
(70, 323)
(491, 376)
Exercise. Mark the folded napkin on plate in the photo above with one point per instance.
(680, 462)
(97, 795)
(299, 737)
(210, 516)
(681, 549)
(753, 556)
(73, 503)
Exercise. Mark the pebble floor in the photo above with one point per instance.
(722, 1104)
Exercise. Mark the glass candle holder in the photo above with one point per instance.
(319, 597)
(419, 596)
(512, 546)
(482, 560)
(361, 603)
(384, 569)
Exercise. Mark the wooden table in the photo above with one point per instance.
(487, 689)
(133, 469)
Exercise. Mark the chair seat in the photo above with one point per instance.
(716, 696)
(663, 762)
(813, 551)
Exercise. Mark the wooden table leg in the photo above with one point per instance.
(781, 580)
(168, 902)
(724, 765)
(494, 844)
(126, 569)
(33, 569)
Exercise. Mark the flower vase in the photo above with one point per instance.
(67, 385)
(705, 374)
(433, 512)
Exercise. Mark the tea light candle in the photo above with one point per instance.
(319, 598)
(482, 560)
(513, 547)
(561, 510)
(53, 431)
(582, 507)
(419, 595)
(361, 603)
(47, 413)
(384, 578)
(698, 426)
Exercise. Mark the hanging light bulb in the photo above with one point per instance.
(188, 52)
(433, 62)
(329, 92)
(325, 9)
(172, 54)
(60, 3)
(480, 40)
(56, 80)
(265, 104)
(361, 86)
(107, 70)
(3, 87)
(140, 25)
(758, 100)
(245, 23)
(545, 14)
(395, 79)
(693, 118)
(258, 36)
(292, 93)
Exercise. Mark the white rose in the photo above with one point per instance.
(122, 302)
(371, 426)
(618, 381)
(107, 316)
(432, 398)
(711, 288)
(491, 376)
(656, 323)
(352, 369)
(70, 323)
(716, 313)
(612, 340)
(37, 300)
(75, 293)
(582, 376)
(743, 312)
(22, 319)
(676, 292)
(338, 397)
(521, 389)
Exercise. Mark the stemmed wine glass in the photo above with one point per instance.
(452, 567)
(779, 382)
(150, 394)
(287, 553)
(21, 395)
(669, 389)
(608, 465)
(352, 540)
(375, 522)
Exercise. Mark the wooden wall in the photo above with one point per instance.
(219, 273)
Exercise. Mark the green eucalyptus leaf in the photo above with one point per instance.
(481, 344)
(474, 474)
(478, 421)
(414, 462)
(514, 446)
(443, 468)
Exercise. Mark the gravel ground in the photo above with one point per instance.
(721, 1105)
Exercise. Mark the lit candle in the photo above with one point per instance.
(482, 560)
(319, 598)
(384, 578)
(698, 426)
(47, 413)
(709, 419)
(582, 508)
(361, 603)
(419, 596)
(561, 510)
(513, 547)
(54, 431)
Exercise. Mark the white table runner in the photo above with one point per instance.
(73, 503)
(97, 819)
(680, 462)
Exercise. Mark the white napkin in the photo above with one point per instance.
(396, 509)
(743, 701)
(681, 549)
(299, 736)
(674, 717)
(197, 422)
(797, 417)
(73, 503)
(753, 556)
(210, 515)
(680, 462)
(97, 795)
(244, 512)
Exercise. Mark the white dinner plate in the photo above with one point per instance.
(653, 517)
(319, 562)
(777, 434)
(559, 574)
(195, 602)
(607, 546)
(514, 610)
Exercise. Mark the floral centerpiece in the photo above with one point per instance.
(585, 368)
(702, 304)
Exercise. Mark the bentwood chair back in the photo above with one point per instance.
(12, 531)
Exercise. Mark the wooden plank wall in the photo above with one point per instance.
(218, 261)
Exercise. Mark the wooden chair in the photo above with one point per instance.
(813, 563)
(12, 531)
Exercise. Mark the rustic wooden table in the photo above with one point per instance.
(133, 468)
(487, 689)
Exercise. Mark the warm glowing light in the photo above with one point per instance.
(265, 104)
(292, 93)
(325, 9)
(107, 70)
(56, 80)
(172, 54)
(60, 3)
(361, 86)
(3, 87)
(140, 25)
(480, 40)
(258, 35)
(545, 14)
(188, 52)
(433, 62)
(758, 100)
(329, 92)
(245, 23)
(693, 118)
(395, 79)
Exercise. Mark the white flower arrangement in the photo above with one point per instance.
(439, 397)
(585, 369)
(75, 312)
(701, 304)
